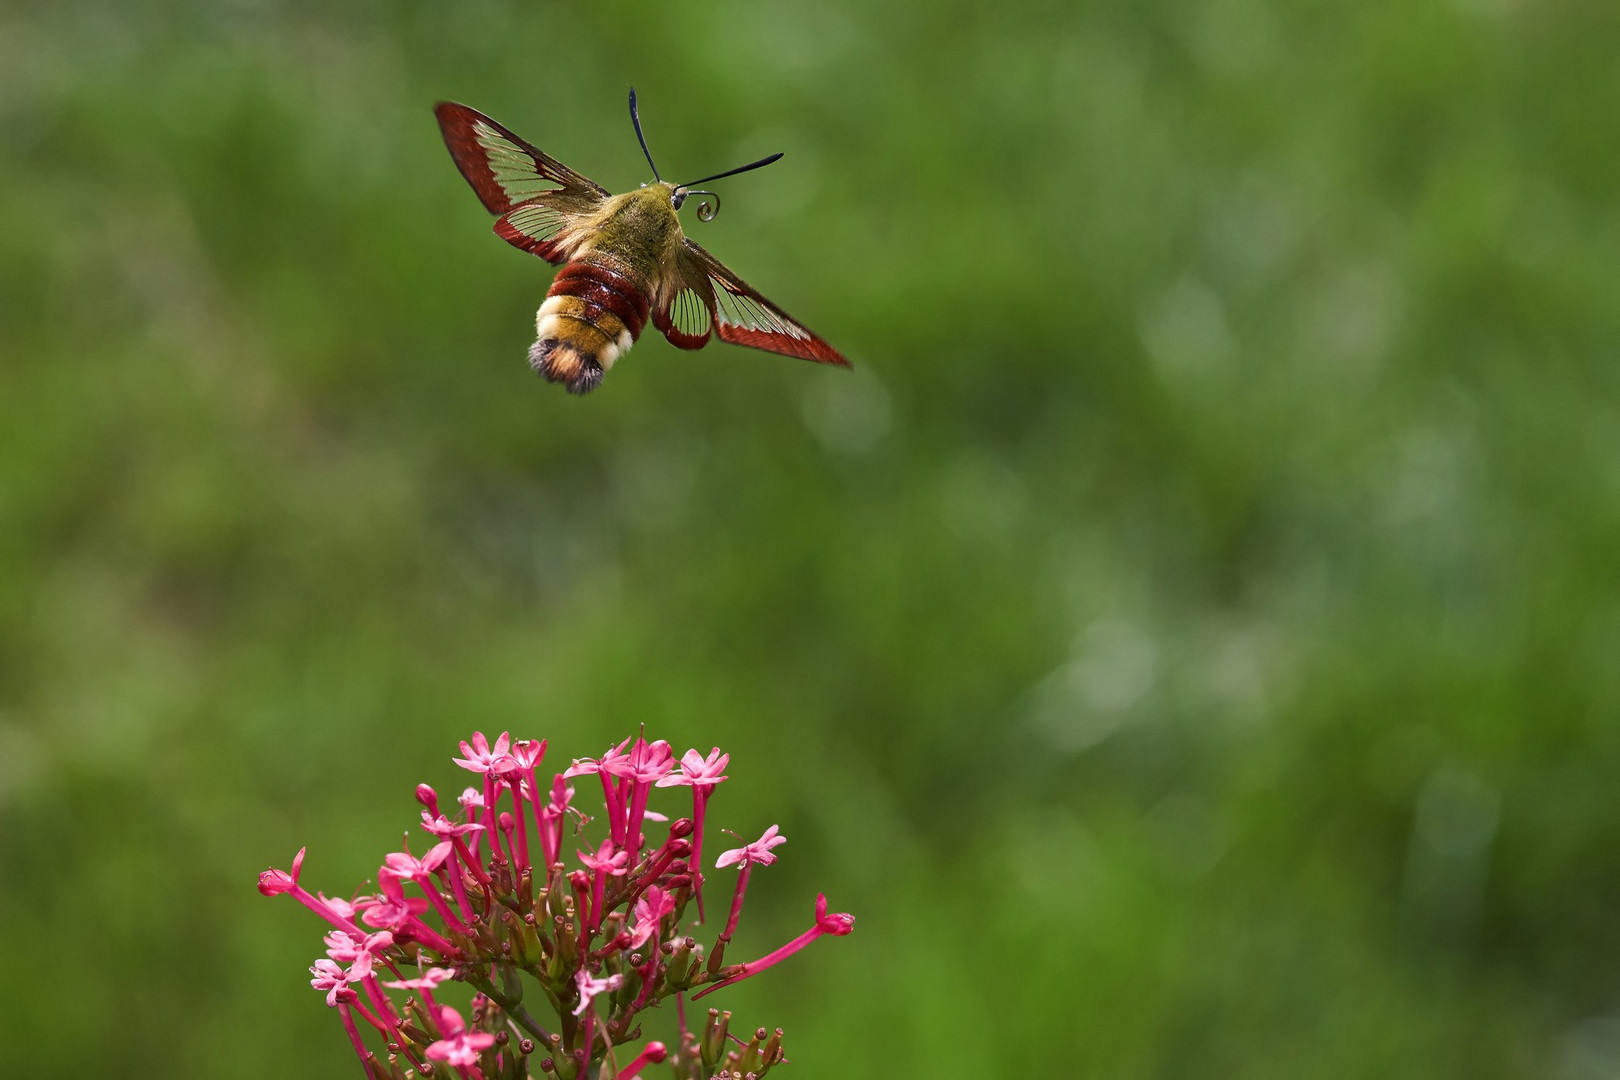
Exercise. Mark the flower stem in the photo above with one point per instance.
(513, 1006)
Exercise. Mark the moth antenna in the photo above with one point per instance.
(760, 164)
(635, 118)
(706, 210)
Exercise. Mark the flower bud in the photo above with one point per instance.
(559, 908)
(749, 1057)
(679, 965)
(561, 966)
(714, 1037)
(772, 1052)
(529, 949)
(717, 957)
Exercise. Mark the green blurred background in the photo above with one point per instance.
(1188, 641)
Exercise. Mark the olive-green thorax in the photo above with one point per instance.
(641, 227)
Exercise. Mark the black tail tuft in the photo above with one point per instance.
(559, 361)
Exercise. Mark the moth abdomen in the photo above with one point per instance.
(592, 313)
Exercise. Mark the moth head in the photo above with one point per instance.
(677, 196)
(706, 210)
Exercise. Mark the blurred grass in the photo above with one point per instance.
(1187, 641)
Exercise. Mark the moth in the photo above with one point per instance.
(624, 257)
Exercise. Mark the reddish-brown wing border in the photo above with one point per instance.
(692, 297)
(743, 317)
(537, 228)
(458, 123)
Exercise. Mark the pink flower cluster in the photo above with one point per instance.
(493, 904)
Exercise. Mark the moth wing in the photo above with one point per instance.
(537, 196)
(540, 229)
(684, 307)
(704, 297)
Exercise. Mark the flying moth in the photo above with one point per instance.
(624, 257)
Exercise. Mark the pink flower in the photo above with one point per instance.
(346, 909)
(344, 947)
(745, 857)
(393, 912)
(699, 771)
(526, 757)
(645, 765)
(605, 763)
(527, 754)
(460, 1047)
(274, 882)
(428, 798)
(650, 910)
(445, 829)
(653, 1052)
(551, 828)
(330, 976)
(703, 775)
(589, 988)
(517, 839)
(647, 762)
(471, 801)
(605, 859)
(428, 980)
(493, 762)
(481, 757)
(837, 925)
(615, 794)
(402, 915)
(402, 865)
(757, 852)
(608, 862)
(363, 953)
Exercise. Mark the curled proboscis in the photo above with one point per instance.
(706, 210)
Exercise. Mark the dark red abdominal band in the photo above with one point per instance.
(604, 289)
